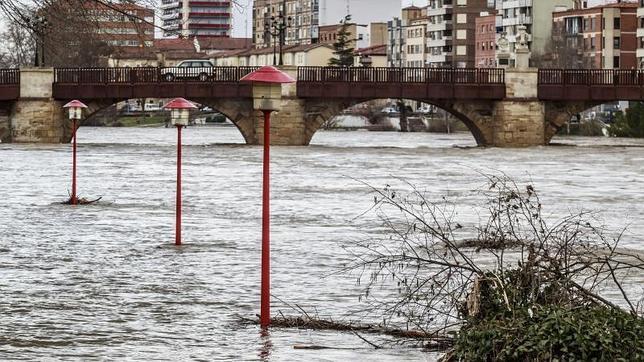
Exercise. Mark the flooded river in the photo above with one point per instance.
(105, 282)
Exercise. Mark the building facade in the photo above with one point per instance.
(485, 41)
(535, 15)
(604, 36)
(397, 35)
(640, 34)
(305, 17)
(203, 18)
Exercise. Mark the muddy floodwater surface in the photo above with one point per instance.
(105, 282)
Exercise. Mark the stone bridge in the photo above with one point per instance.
(501, 108)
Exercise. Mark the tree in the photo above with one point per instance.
(19, 47)
(630, 124)
(564, 50)
(343, 51)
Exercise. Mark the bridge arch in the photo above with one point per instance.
(557, 114)
(238, 111)
(476, 115)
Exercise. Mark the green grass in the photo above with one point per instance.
(139, 121)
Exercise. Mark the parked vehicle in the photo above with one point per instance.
(198, 69)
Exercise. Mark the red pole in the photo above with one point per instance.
(177, 234)
(74, 200)
(265, 315)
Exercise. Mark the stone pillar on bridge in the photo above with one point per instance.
(288, 126)
(36, 117)
(519, 120)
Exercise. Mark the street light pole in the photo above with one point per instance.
(179, 116)
(277, 29)
(267, 93)
(75, 114)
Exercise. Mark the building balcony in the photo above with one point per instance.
(640, 53)
(441, 58)
(439, 42)
(640, 33)
(446, 9)
(445, 25)
(640, 12)
(513, 4)
(208, 26)
(176, 15)
(519, 20)
(169, 4)
(223, 4)
(209, 14)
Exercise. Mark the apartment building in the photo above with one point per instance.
(485, 41)
(640, 34)
(202, 18)
(305, 17)
(535, 15)
(604, 36)
(451, 32)
(397, 35)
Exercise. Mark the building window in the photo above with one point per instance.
(616, 62)
(617, 23)
(616, 41)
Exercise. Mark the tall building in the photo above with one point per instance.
(603, 36)
(535, 15)
(640, 34)
(203, 18)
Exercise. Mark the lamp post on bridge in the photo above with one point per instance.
(179, 117)
(267, 94)
(277, 28)
(75, 114)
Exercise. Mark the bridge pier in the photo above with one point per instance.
(519, 119)
(36, 117)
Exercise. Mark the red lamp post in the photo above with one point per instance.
(267, 93)
(75, 114)
(179, 117)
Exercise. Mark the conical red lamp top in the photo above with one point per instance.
(75, 103)
(179, 103)
(268, 74)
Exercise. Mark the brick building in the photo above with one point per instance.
(203, 18)
(485, 39)
(605, 35)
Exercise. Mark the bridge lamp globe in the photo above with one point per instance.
(179, 111)
(75, 109)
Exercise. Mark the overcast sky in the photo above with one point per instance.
(243, 19)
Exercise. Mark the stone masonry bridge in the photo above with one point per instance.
(501, 108)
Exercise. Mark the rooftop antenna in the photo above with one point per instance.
(348, 7)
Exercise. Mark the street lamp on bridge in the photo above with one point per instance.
(277, 28)
(179, 117)
(267, 94)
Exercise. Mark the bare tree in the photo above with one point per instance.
(565, 50)
(19, 47)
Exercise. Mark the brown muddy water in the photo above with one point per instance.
(104, 282)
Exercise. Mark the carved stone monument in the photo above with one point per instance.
(522, 49)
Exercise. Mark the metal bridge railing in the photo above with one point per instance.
(147, 75)
(401, 75)
(591, 77)
(9, 76)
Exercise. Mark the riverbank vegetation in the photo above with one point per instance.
(518, 286)
(629, 124)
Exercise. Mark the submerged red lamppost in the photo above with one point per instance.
(75, 114)
(267, 94)
(179, 117)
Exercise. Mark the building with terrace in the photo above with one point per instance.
(203, 18)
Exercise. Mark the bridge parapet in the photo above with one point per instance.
(149, 82)
(591, 85)
(9, 84)
(410, 83)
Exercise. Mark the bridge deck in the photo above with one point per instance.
(593, 85)
(9, 84)
(145, 82)
(409, 83)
